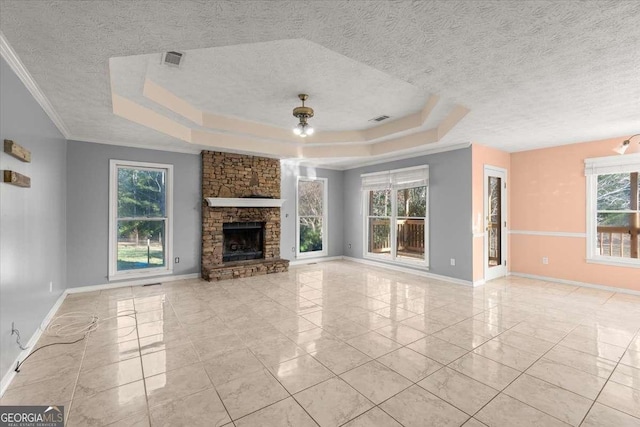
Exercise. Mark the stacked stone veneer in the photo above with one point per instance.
(235, 176)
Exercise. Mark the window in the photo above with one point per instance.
(140, 232)
(396, 219)
(613, 218)
(311, 215)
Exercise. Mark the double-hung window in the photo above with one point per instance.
(140, 219)
(613, 210)
(396, 226)
(311, 227)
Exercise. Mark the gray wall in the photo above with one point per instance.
(289, 174)
(449, 210)
(32, 220)
(88, 208)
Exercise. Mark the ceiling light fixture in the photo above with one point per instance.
(303, 129)
(624, 145)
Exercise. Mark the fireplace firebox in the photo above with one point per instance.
(243, 241)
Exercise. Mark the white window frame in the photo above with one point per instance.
(325, 219)
(393, 259)
(114, 274)
(593, 168)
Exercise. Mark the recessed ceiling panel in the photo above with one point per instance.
(260, 82)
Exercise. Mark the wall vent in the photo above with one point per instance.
(379, 118)
(173, 58)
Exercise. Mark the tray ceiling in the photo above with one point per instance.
(532, 74)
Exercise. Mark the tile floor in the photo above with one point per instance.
(340, 343)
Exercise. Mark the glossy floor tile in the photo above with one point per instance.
(333, 402)
(375, 381)
(416, 407)
(338, 344)
(458, 389)
(560, 403)
(286, 412)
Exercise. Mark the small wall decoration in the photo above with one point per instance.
(17, 151)
(16, 178)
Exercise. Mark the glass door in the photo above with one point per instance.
(495, 236)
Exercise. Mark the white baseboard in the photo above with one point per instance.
(410, 271)
(314, 260)
(8, 377)
(575, 283)
(139, 282)
(478, 282)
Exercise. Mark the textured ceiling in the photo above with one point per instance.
(260, 82)
(532, 73)
(241, 97)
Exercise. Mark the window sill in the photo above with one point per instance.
(139, 275)
(615, 262)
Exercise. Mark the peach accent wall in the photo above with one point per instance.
(548, 194)
(481, 156)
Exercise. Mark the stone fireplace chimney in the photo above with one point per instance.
(226, 177)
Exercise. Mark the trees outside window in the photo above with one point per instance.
(140, 218)
(613, 210)
(396, 226)
(618, 215)
(311, 217)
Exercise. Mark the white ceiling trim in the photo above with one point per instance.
(131, 110)
(216, 122)
(12, 58)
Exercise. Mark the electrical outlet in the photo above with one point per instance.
(177, 260)
(293, 248)
(349, 245)
(453, 261)
(50, 287)
(545, 260)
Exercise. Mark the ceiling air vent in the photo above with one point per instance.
(173, 58)
(379, 118)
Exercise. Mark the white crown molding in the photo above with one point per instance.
(189, 149)
(12, 58)
(548, 233)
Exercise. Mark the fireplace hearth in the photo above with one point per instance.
(243, 241)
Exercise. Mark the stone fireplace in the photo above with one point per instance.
(241, 216)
